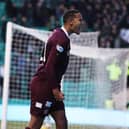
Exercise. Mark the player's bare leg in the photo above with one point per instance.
(60, 119)
(35, 122)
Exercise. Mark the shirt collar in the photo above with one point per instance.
(65, 31)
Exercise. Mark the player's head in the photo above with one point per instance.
(72, 19)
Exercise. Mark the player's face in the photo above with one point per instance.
(76, 23)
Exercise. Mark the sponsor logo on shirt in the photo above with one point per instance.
(38, 105)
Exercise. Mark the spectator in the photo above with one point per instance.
(28, 15)
(103, 16)
(41, 13)
(11, 9)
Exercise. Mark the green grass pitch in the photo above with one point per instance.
(21, 125)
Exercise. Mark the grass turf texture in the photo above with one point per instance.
(21, 125)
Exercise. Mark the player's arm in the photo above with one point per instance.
(53, 58)
(50, 67)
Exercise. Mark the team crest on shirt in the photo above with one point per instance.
(59, 48)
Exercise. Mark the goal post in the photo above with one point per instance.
(6, 76)
(95, 80)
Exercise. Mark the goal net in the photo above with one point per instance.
(95, 80)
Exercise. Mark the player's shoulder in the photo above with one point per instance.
(59, 34)
(58, 31)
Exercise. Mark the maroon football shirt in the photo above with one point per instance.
(56, 58)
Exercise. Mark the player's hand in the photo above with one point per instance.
(59, 96)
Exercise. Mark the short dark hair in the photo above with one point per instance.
(69, 15)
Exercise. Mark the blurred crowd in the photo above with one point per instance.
(106, 16)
